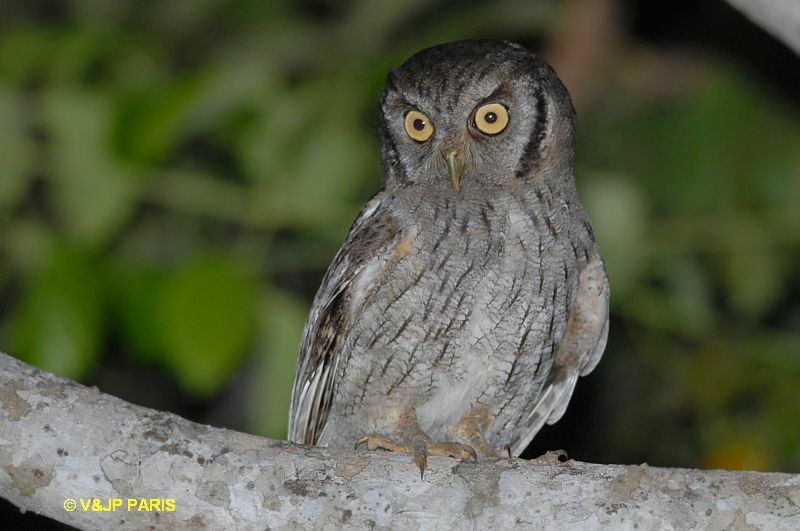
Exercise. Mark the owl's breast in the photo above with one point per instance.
(465, 312)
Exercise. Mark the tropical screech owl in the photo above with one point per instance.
(470, 293)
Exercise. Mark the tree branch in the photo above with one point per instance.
(60, 440)
(780, 18)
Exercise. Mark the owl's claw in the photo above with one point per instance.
(453, 449)
(375, 441)
(419, 449)
(421, 459)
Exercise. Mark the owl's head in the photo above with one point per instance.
(460, 116)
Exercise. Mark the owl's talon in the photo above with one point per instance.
(420, 449)
(473, 452)
(421, 459)
(375, 441)
(452, 449)
(363, 440)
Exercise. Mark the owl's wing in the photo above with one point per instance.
(320, 350)
(579, 353)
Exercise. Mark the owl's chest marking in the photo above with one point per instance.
(502, 311)
(449, 314)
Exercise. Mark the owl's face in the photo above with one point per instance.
(461, 116)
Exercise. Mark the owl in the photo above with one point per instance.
(470, 293)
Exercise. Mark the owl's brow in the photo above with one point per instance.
(408, 104)
(500, 90)
(392, 85)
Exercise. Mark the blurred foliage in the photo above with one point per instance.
(176, 176)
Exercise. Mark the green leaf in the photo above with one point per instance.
(138, 295)
(703, 149)
(59, 324)
(677, 299)
(310, 154)
(207, 321)
(17, 161)
(94, 193)
(282, 318)
(752, 272)
(152, 123)
(23, 51)
(618, 209)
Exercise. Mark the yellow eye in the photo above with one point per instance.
(491, 118)
(418, 126)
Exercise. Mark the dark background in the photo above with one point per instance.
(176, 176)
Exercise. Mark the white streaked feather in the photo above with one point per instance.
(536, 420)
(562, 391)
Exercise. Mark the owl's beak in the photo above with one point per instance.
(455, 166)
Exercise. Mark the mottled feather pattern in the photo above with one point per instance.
(470, 310)
(317, 363)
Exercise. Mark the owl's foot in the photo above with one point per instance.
(420, 447)
(375, 441)
(471, 427)
(452, 449)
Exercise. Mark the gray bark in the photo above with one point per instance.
(781, 18)
(60, 440)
